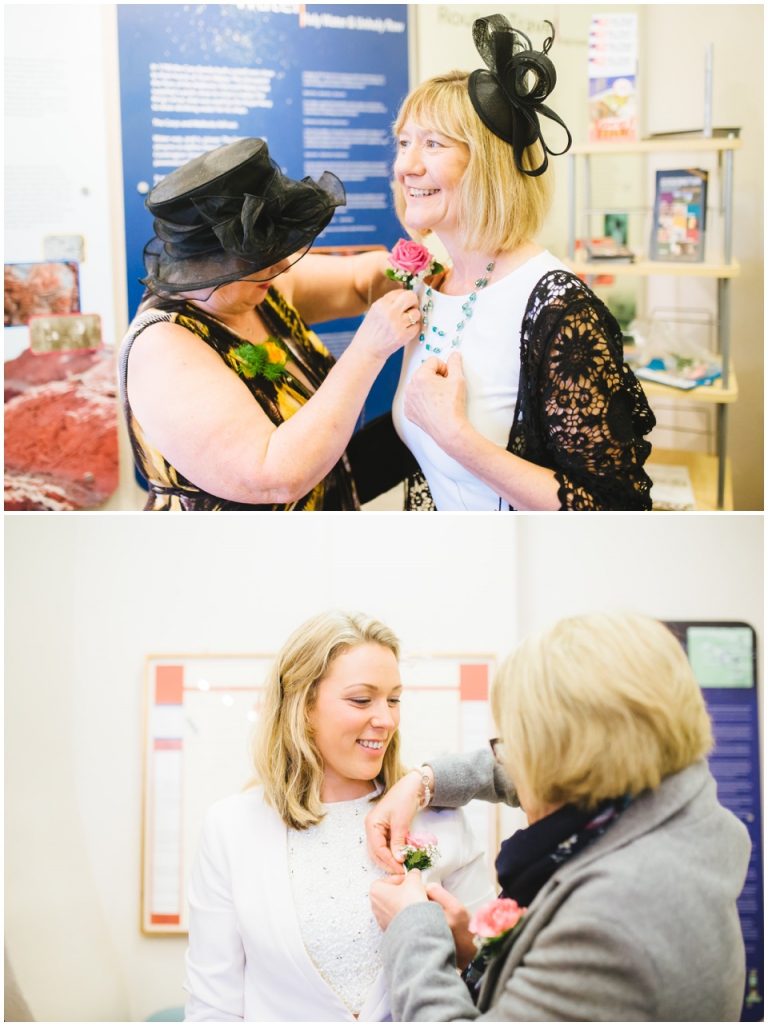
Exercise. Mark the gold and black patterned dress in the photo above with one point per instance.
(265, 370)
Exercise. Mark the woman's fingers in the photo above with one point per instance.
(457, 917)
(388, 823)
(377, 832)
(391, 322)
(388, 900)
(435, 399)
(455, 912)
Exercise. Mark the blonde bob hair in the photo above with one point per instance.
(597, 707)
(286, 760)
(499, 208)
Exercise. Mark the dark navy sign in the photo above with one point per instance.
(724, 660)
(321, 83)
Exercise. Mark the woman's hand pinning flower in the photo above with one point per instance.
(412, 262)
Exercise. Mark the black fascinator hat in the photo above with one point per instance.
(230, 214)
(509, 96)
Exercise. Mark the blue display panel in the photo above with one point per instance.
(724, 661)
(321, 83)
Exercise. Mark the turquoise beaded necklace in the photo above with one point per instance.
(467, 309)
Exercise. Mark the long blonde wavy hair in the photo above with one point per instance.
(285, 757)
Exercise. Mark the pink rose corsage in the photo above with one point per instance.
(420, 850)
(493, 923)
(411, 262)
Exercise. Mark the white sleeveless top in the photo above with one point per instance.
(490, 351)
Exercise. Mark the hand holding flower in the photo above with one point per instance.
(435, 399)
(390, 323)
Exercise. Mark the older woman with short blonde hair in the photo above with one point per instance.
(515, 394)
(623, 885)
(281, 928)
(598, 706)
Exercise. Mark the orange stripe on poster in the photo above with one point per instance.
(473, 685)
(165, 744)
(164, 920)
(169, 685)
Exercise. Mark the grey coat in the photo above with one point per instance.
(642, 925)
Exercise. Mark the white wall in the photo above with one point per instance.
(702, 567)
(89, 597)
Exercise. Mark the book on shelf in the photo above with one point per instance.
(607, 248)
(682, 381)
(672, 488)
(697, 133)
(679, 216)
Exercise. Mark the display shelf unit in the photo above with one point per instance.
(709, 475)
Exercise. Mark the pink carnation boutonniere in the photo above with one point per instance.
(411, 262)
(420, 850)
(493, 924)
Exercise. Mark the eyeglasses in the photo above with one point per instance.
(497, 747)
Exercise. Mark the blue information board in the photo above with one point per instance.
(724, 661)
(320, 82)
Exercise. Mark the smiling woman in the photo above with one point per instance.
(282, 875)
(515, 395)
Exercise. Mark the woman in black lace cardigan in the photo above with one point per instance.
(516, 394)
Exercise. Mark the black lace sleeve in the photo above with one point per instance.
(584, 415)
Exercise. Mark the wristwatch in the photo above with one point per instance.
(427, 790)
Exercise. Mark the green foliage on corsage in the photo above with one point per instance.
(420, 850)
(418, 860)
(266, 359)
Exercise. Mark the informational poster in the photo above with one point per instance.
(200, 716)
(724, 661)
(613, 77)
(320, 82)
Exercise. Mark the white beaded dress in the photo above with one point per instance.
(331, 874)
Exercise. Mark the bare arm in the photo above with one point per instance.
(325, 287)
(206, 423)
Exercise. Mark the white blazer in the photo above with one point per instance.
(246, 958)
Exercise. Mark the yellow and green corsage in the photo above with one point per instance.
(267, 359)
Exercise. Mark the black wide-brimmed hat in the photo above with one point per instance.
(231, 214)
(509, 96)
